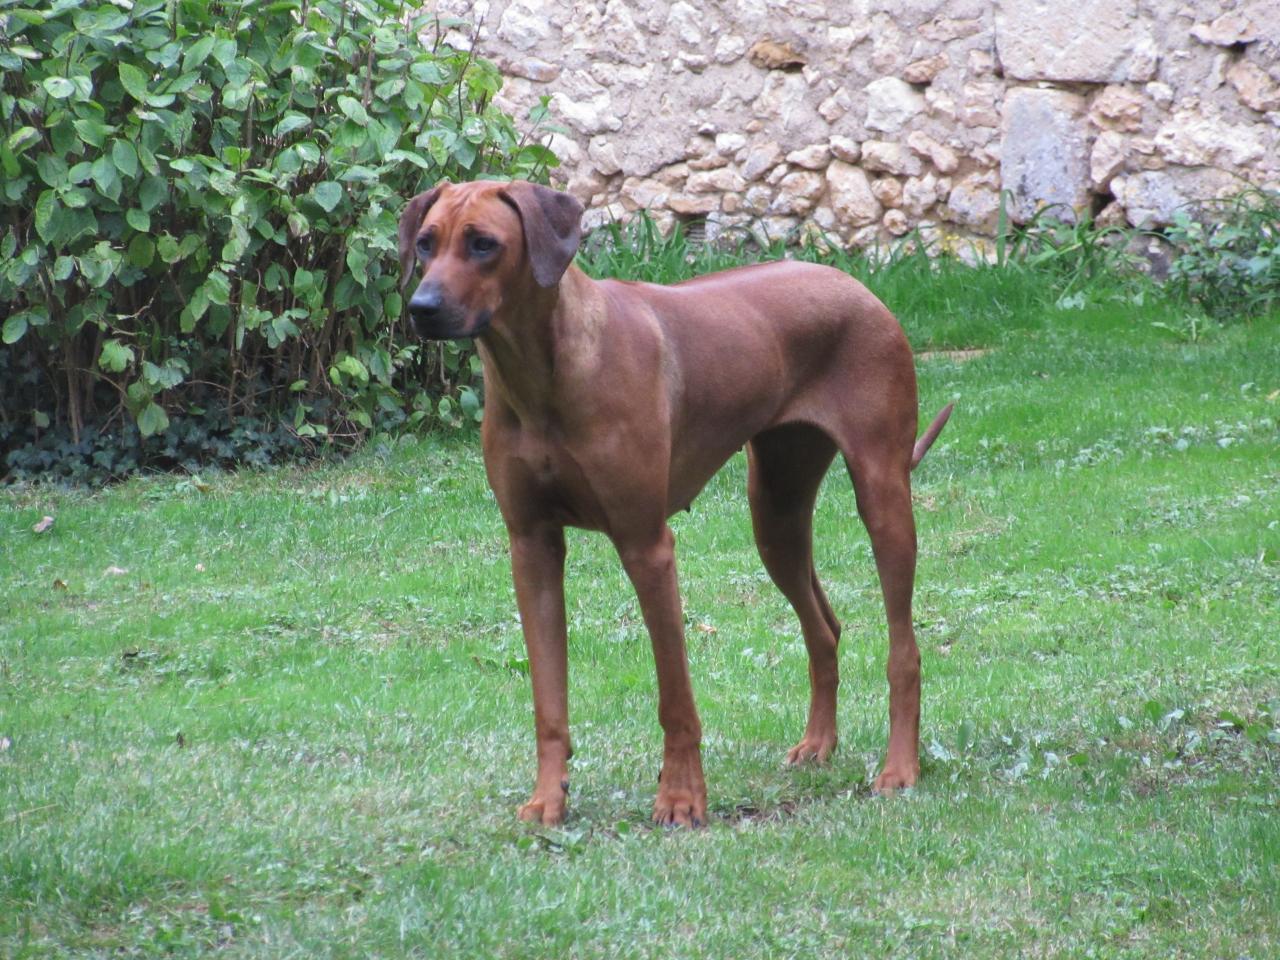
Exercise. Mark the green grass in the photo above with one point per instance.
(286, 714)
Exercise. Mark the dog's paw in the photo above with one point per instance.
(546, 806)
(680, 808)
(812, 749)
(895, 777)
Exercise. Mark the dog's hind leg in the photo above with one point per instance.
(881, 474)
(786, 467)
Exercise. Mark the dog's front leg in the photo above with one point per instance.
(537, 562)
(682, 792)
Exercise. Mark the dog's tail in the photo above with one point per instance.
(930, 435)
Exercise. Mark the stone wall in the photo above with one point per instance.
(868, 118)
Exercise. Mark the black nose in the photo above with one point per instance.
(426, 301)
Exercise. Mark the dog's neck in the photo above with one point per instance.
(521, 348)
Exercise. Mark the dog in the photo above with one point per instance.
(610, 404)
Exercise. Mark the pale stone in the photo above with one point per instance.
(1087, 40)
(1117, 108)
(888, 191)
(919, 194)
(835, 106)
(729, 143)
(1194, 140)
(924, 71)
(642, 193)
(942, 157)
(776, 174)
(891, 103)
(845, 38)
(798, 193)
(1161, 94)
(888, 157)
(1152, 198)
(693, 205)
(757, 199)
(730, 48)
(947, 30)
(1044, 158)
(975, 203)
(711, 161)
(686, 21)
(979, 104)
(1226, 31)
(603, 153)
(981, 63)
(849, 195)
(1256, 89)
(731, 203)
(769, 230)
(531, 68)
(600, 216)
(1144, 61)
(588, 116)
(673, 175)
(723, 180)
(524, 24)
(1106, 159)
(895, 221)
(815, 157)
(761, 158)
(1112, 215)
(846, 149)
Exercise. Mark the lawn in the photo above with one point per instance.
(286, 713)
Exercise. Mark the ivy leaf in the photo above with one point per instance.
(58, 87)
(328, 194)
(115, 356)
(14, 328)
(152, 419)
(125, 158)
(353, 109)
(134, 82)
(139, 220)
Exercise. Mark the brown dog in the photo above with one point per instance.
(609, 405)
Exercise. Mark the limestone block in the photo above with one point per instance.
(1254, 86)
(815, 157)
(686, 22)
(1087, 40)
(1106, 159)
(888, 191)
(595, 217)
(642, 193)
(835, 106)
(1194, 140)
(693, 204)
(895, 221)
(1152, 197)
(924, 71)
(942, 157)
(525, 24)
(920, 193)
(891, 103)
(757, 199)
(1117, 108)
(724, 180)
(730, 48)
(846, 149)
(798, 193)
(603, 153)
(849, 195)
(1227, 30)
(1044, 157)
(729, 144)
(975, 203)
(761, 158)
(776, 55)
(888, 157)
(980, 103)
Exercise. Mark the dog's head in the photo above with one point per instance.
(479, 244)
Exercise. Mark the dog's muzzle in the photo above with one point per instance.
(433, 317)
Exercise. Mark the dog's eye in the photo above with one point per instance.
(482, 246)
(426, 244)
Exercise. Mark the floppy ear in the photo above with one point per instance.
(552, 228)
(410, 221)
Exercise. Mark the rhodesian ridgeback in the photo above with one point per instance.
(609, 405)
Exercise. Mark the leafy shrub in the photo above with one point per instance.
(1228, 257)
(199, 205)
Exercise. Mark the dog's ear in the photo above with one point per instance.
(552, 228)
(415, 210)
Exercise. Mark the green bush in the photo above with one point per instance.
(1228, 255)
(199, 205)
